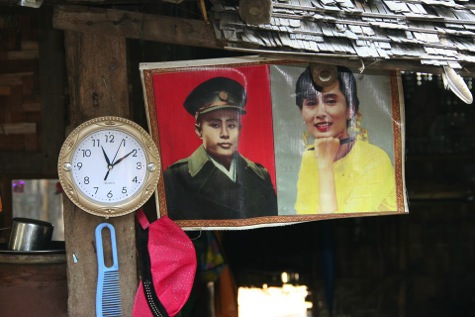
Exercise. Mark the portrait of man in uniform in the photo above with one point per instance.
(216, 181)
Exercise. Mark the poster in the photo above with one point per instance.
(251, 142)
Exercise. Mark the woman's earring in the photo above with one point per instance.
(355, 130)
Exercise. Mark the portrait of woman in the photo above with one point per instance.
(340, 171)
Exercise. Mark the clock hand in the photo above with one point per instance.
(107, 174)
(105, 155)
(109, 165)
(117, 162)
(117, 152)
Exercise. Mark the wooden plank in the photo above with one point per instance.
(19, 165)
(18, 142)
(10, 80)
(14, 101)
(29, 45)
(32, 142)
(15, 55)
(5, 90)
(97, 76)
(136, 26)
(6, 5)
(18, 65)
(6, 193)
(25, 116)
(397, 65)
(30, 84)
(14, 78)
(17, 128)
(32, 106)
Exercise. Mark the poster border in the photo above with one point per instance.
(148, 70)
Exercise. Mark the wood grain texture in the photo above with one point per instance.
(135, 25)
(52, 76)
(33, 288)
(255, 11)
(97, 76)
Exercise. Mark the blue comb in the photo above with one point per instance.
(108, 302)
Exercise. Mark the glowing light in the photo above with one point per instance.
(285, 301)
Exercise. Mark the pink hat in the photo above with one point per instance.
(168, 267)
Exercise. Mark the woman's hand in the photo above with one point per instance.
(325, 151)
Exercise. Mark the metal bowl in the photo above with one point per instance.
(30, 234)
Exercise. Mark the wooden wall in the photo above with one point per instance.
(20, 108)
(414, 265)
(32, 88)
(33, 98)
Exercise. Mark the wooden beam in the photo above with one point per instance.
(18, 164)
(98, 85)
(135, 25)
(353, 63)
(18, 128)
(16, 3)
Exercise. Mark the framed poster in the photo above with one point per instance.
(251, 142)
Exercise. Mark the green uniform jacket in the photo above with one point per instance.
(196, 189)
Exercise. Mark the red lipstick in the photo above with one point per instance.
(323, 126)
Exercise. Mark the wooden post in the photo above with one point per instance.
(52, 79)
(98, 86)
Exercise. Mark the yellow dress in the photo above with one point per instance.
(364, 181)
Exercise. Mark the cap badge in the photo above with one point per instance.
(223, 95)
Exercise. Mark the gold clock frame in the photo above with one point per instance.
(109, 123)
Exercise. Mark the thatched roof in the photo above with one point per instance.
(422, 33)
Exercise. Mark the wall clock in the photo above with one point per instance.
(109, 166)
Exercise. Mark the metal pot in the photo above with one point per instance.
(30, 235)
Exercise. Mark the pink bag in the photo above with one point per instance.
(168, 267)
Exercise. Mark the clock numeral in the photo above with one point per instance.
(109, 138)
(86, 180)
(139, 165)
(135, 180)
(86, 153)
(135, 153)
(124, 190)
(109, 194)
(96, 143)
(96, 189)
(79, 165)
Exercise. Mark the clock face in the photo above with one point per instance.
(109, 166)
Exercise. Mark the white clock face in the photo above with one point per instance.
(109, 166)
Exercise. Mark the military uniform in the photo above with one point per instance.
(196, 189)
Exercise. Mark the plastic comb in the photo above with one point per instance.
(108, 302)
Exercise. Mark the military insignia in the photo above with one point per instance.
(223, 96)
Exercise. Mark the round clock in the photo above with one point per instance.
(109, 166)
